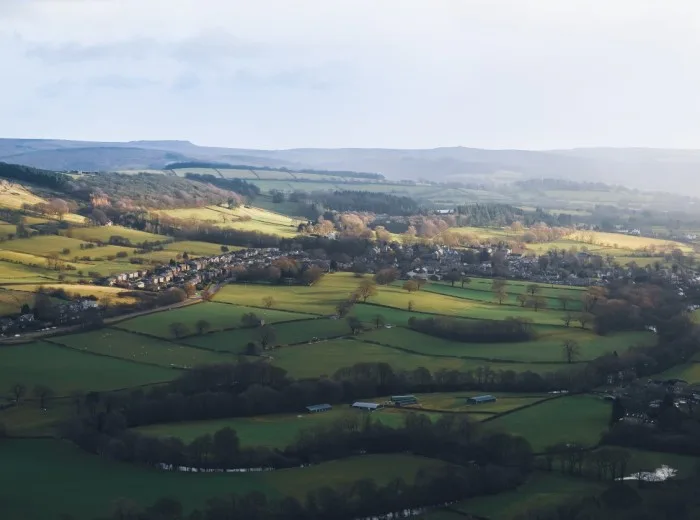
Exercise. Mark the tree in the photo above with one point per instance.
(410, 286)
(202, 326)
(189, 289)
(43, 393)
(252, 349)
(267, 336)
(312, 275)
(538, 302)
(224, 249)
(522, 299)
(617, 412)
(386, 276)
(268, 302)
(571, 350)
(178, 329)
(411, 305)
(18, 390)
(344, 307)
(465, 280)
(567, 319)
(584, 318)
(565, 301)
(355, 324)
(379, 321)
(226, 447)
(501, 295)
(250, 320)
(366, 289)
(498, 284)
(452, 277)
(533, 289)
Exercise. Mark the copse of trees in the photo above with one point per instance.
(483, 331)
(384, 203)
(240, 186)
(43, 178)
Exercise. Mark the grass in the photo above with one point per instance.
(689, 372)
(272, 431)
(19, 273)
(44, 245)
(539, 491)
(195, 248)
(243, 218)
(142, 349)
(547, 347)
(11, 301)
(324, 296)
(28, 419)
(457, 402)
(326, 357)
(578, 418)
(104, 233)
(629, 242)
(72, 481)
(218, 315)
(103, 294)
(66, 370)
(286, 333)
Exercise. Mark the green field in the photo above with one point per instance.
(300, 331)
(577, 418)
(324, 296)
(73, 481)
(142, 349)
(546, 347)
(689, 372)
(66, 370)
(326, 357)
(219, 316)
(539, 491)
(273, 431)
(457, 402)
(194, 248)
(104, 233)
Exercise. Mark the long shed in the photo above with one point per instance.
(317, 408)
(481, 399)
(370, 407)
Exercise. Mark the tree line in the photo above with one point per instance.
(474, 331)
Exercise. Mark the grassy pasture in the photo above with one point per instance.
(195, 248)
(457, 402)
(45, 245)
(273, 431)
(481, 292)
(103, 233)
(541, 490)
(7, 229)
(577, 418)
(72, 481)
(689, 372)
(218, 315)
(326, 357)
(66, 370)
(142, 349)
(323, 297)
(20, 273)
(547, 347)
(102, 293)
(629, 242)
(11, 301)
(286, 333)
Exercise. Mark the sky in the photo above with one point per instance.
(527, 74)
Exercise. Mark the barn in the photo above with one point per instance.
(403, 400)
(318, 408)
(481, 399)
(369, 407)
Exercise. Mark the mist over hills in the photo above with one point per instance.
(644, 168)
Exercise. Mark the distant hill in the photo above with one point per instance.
(668, 170)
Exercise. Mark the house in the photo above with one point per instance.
(318, 408)
(481, 399)
(403, 400)
(369, 407)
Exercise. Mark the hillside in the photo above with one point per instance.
(659, 169)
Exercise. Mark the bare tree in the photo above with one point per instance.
(355, 324)
(567, 319)
(178, 329)
(501, 295)
(584, 318)
(538, 302)
(202, 326)
(268, 302)
(565, 301)
(533, 289)
(18, 390)
(465, 280)
(571, 350)
(379, 321)
(267, 336)
(43, 393)
(366, 289)
(410, 286)
(411, 305)
(522, 299)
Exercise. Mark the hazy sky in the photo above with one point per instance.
(532, 74)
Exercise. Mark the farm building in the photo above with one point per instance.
(370, 407)
(481, 399)
(403, 400)
(318, 408)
